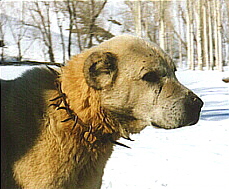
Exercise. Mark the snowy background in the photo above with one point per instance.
(194, 157)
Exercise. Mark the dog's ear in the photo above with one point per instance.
(100, 69)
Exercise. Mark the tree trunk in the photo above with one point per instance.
(75, 18)
(211, 53)
(216, 35)
(162, 25)
(70, 28)
(188, 33)
(44, 26)
(190, 37)
(60, 26)
(92, 23)
(49, 35)
(199, 35)
(219, 33)
(180, 42)
(138, 24)
(94, 15)
(205, 34)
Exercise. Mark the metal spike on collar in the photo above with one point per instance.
(119, 143)
(128, 138)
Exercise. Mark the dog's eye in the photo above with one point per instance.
(151, 77)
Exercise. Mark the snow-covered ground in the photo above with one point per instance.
(194, 157)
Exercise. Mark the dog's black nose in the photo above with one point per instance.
(196, 102)
(193, 107)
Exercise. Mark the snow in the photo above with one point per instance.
(12, 72)
(194, 157)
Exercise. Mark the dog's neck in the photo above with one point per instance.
(82, 114)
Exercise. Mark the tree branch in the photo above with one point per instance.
(28, 63)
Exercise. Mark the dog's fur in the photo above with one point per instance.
(116, 88)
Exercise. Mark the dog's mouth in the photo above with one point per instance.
(167, 127)
(155, 125)
(191, 122)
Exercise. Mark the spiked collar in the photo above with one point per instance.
(61, 99)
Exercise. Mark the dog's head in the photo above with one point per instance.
(137, 84)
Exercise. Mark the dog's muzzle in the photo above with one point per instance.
(179, 113)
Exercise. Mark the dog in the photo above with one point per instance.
(59, 126)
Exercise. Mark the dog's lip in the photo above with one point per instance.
(156, 125)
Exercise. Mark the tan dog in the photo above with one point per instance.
(59, 130)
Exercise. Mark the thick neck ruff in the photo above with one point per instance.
(91, 134)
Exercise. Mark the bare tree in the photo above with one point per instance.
(210, 32)
(215, 35)
(162, 25)
(69, 10)
(205, 35)
(190, 35)
(18, 30)
(219, 34)
(199, 35)
(40, 15)
(3, 23)
(14, 27)
(59, 17)
(137, 15)
(82, 24)
(94, 14)
(179, 12)
(84, 21)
